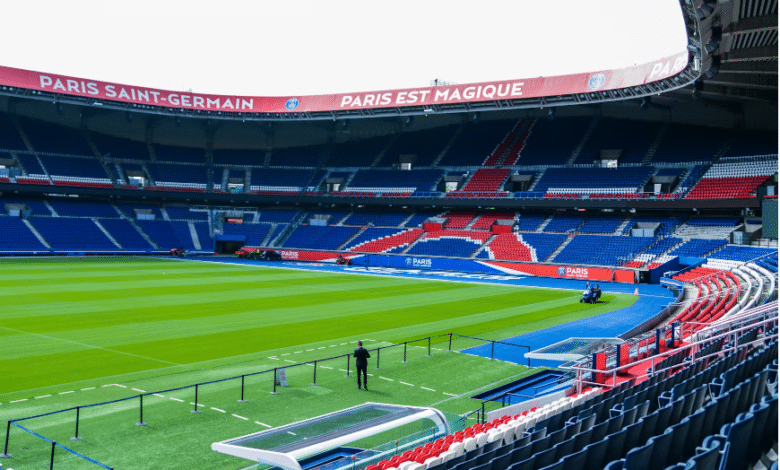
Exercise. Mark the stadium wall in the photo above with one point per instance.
(469, 266)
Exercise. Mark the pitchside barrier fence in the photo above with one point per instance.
(241, 392)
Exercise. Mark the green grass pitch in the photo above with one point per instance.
(77, 331)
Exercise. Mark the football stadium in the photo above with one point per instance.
(568, 272)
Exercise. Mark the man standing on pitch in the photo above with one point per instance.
(361, 363)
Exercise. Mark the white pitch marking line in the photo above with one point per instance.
(285, 354)
(333, 345)
(322, 347)
(274, 358)
(88, 388)
(158, 395)
(263, 424)
(385, 378)
(352, 342)
(429, 389)
(297, 352)
(43, 396)
(343, 370)
(308, 350)
(449, 394)
(241, 417)
(138, 390)
(405, 383)
(123, 386)
(343, 344)
(326, 367)
(65, 393)
(289, 360)
(17, 401)
(291, 433)
(217, 409)
(176, 399)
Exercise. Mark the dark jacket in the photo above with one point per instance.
(361, 357)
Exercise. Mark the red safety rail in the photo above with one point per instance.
(735, 187)
(634, 264)
(383, 244)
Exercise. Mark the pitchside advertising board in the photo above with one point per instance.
(468, 93)
(469, 266)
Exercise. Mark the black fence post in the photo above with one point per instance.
(51, 463)
(5, 454)
(450, 342)
(141, 422)
(274, 392)
(492, 348)
(77, 438)
(405, 361)
(196, 400)
(242, 391)
(429, 346)
(315, 373)
(377, 357)
(347, 366)
(526, 356)
(483, 412)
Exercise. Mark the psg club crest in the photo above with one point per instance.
(291, 104)
(561, 271)
(596, 81)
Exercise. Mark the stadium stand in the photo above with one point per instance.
(47, 137)
(278, 215)
(733, 180)
(117, 148)
(382, 240)
(529, 223)
(239, 157)
(458, 219)
(253, 234)
(75, 208)
(484, 183)
(678, 146)
(632, 138)
(460, 243)
(185, 213)
(619, 180)
(562, 223)
(360, 218)
(485, 221)
(357, 153)
(604, 224)
(167, 153)
(424, 146)
(552, 142)
(697, 247)
(10, 139)
(402, 182)
(15, 236)
(476, 142)
(309, 156)
(72, 234)
(164, 235)
(126, 235)
(389, 219)
(319, 238)
(602, 250)
(67, 171)
(278, 181)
